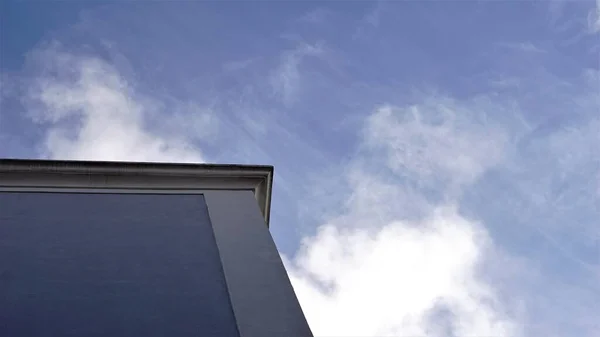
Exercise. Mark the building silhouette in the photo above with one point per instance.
(141, 249)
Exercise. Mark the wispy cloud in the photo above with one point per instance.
(594, 18)
(238, 65)
(315, 16)
(523, 46)
(91, 112)
(286, 79)
(370, 20)
(435, 144)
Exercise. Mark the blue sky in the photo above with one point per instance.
(437, 162)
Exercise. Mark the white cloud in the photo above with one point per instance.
(398, 258)
(393, 281)
(396, 261)
(92, 112)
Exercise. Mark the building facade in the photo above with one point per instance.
(141, 249)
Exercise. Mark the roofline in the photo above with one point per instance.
(111, 174)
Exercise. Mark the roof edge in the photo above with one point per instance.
(258, 178)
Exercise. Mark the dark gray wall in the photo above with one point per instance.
(263, 299)
(111, 265)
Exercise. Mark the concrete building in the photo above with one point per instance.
(141, 249)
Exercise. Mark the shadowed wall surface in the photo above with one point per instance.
(110, 265)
